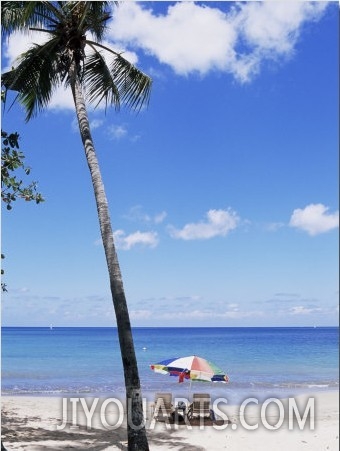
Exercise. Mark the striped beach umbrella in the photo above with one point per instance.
(191, 367)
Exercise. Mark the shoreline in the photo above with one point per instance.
(238, 395)
(35, 423)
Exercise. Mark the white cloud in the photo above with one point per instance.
(159, 218)
(274, 226)
(62, 99)
(96, 123)
(198, 314)
(301, 310)
(218, 223)
(314, 219)
(140, 314)
(189, 38)
(195, 38)
(19, 43)
(275, 26)
(127, 242)
(136, 213)
(117, 131)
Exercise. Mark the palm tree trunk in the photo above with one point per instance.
(137, 439)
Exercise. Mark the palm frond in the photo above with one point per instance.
(100, 85)
(44, 67)
(94, 17)
(20, 15)
(11, 16)
(49, 11)
(133, 85)
(35, 77)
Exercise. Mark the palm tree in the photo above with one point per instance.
(74, 56)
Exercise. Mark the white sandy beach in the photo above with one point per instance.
(34, 424)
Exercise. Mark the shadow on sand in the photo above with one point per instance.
(24, 435)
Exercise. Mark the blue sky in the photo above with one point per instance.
(223, 193)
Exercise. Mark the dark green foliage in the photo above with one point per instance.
(12, 160)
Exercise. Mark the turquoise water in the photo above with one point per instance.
(275, 361)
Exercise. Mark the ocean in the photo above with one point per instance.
(260, 362)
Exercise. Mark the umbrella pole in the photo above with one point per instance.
(189, 390)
